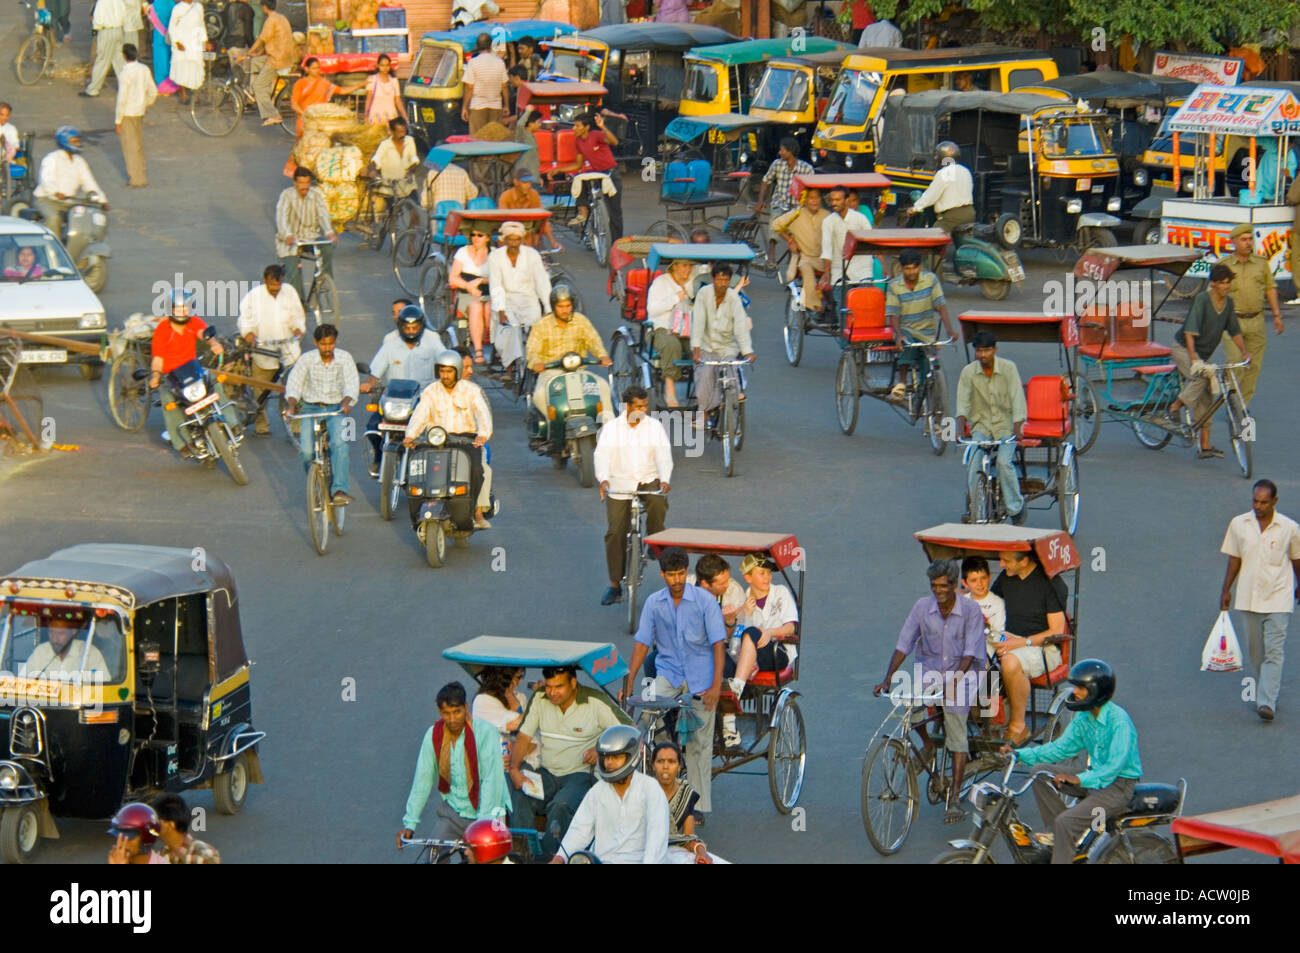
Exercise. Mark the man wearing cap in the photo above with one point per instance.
(520, 287)
(1252, 285)
(991, 400)
(523, 194)
(802, 229)
(914, 302)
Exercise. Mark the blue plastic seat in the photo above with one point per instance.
(480, 203)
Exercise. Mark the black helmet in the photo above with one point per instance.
(410, 315)
(1097, 678)
(947, 150)
(619, 739)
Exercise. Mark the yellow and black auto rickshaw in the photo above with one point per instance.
(792, 93)
(724, 78)
(122, 676)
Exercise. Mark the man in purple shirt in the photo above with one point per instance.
(684, 624)
(946, 630)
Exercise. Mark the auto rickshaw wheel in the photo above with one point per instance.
(20, 832)
(1148, 233)
(1008, 230)
(230, 787)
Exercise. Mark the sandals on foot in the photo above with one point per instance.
(1206, 453)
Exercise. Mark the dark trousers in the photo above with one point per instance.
(1069, 824)
(618, 519)
(560, 802)
(615, 203)
(376, 439)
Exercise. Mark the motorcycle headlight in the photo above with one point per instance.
(571, 361)
(8, 778)
(1141, 177)
(1074, 206)
(744, 157)
(1187, 185)
(396, 409)
(92, 319)
(437, 436)
(194, 391)
(100, 219)
(982, 795)
(1113, 203)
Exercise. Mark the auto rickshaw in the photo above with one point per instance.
(155, 695)
(847, 134)
(724, 78)
(792, 93)
(435, 89)
(640, 64)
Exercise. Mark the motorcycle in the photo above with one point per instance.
(443, 478)
(204, 428)
(979, 261)
(1122, 838)
(394, 404)
(572, 421)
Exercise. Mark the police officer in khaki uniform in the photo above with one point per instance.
(1252, 285)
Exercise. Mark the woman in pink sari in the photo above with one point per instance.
(314, 89)
(383, 94)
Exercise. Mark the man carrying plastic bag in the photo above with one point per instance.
(1222, 652)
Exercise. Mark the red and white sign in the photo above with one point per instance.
(1207, 70)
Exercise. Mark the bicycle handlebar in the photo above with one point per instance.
(944, 342)
(329, 413)
(740, 362)
(971, 441)
(432, 842)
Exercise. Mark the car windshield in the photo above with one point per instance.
(33, 257)
(436, 66)
(1087, 138)
(782, 89)
(575, 64)
(42, 640)
(701, 83)
(851, 98)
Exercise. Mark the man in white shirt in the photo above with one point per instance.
(719, 332)
(62, 175)
(395, 158)
(1259, 544)
(519, 287)
(486, 82)
(108, 21)
(136, 92)
(8, 134)
(880, 33)
(842, 220)
(632, 454)
(62, 653)
(624, 817)
(271, 315)
(951, 191)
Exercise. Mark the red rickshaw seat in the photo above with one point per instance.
(1058, 674)
(866, 317)
(773, 679)
(636, 281)
(1121, 339)
(1048, 404)
(555, 147)
(1156, 369)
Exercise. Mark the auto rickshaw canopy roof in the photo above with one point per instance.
(656, 36)
(731, 125)
(1272, 110)
(600, 660)
(1055, 549)
(467, 36)
(1116, 87)
(560, 92)
(754, 51)
(692, 251)
(897, 58)
(828, 58)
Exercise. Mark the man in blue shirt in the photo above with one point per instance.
(406, 353)
(1106, 734)
(684, 625)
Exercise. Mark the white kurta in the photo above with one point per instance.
(186, 27)
(518, 289)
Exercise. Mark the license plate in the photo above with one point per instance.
(1083, 185)
(1017, 274)
(392, 426)
(1098, 189)
(195, 408)
(45, 357)
(417, 467)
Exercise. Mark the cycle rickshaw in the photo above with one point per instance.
(872, 345)
(890, 792)
(768, 704)
(1271, 828)
(871, 191)
(1136, 377)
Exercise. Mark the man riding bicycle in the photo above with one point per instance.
(324, 381)
(719, 332)
(991, 399)
(558, 333)
(301, 215)
(912, 301)
(271, 313)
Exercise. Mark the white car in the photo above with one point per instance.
(42, 292)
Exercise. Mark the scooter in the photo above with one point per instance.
(85, 224)
(394, 404)
(572, 420)
(204, 427)
(443, 477)
(978, 259)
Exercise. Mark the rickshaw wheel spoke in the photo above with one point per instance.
(1087, 413)
(889, 795)
(1151, 436)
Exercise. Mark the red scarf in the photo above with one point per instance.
(471, 761)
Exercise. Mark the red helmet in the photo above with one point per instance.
(489, 840)
(136, 819)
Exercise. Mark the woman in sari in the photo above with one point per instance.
(314, 89)
(684, 846)
(383, 94)
(160, 14)
(188, 35)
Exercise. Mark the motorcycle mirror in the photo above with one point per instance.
(139, 374)
(209, 332)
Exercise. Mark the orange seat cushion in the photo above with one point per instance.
(1125, 351)
(546, 147)
(1156, 369)
(566, 146)
(866, 317)
(1048, 403)
(773, 679)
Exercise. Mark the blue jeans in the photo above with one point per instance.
(1008, 479)
(338, 446)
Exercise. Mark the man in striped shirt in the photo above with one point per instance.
(325, 380)
(301, 215)
(912, 301)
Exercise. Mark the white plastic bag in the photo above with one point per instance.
(1222, 653)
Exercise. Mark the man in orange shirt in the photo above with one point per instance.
(175, 343)
(524, 195)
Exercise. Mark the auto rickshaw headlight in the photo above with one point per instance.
(437, 436)
(1074, 206)
(1140, 177)
(8, 778)
(1113, 203)
(848, 162)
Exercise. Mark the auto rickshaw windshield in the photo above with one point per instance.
(1164, 139)
(436, 66)
(851, 99)
(582, 65)
(701, 85)
(782, 89)
(1087, 137)
(43, 639)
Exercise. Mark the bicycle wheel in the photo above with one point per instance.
(889, 795)
(337, 514)
(433, 293)
(981, 499)
(128, 398)
(739, 438)
(622, 371)
(633, 577)
(324, 301)
(1242, 429)
(1143, 847)
(1151, 436)
(729, 414)
(281, 413)
(34, 57)
(793, 331)
(318, 507)
(787, 757)
(1087, 413)
(846, 392)
(667, 228)
(284, 103)
(936, 409)
(598, 231)
(1067, 494)
(410, 249)
(215, 109)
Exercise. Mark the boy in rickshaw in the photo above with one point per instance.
(946, 631)
(719, 332)
(669, 304)
(595, 154)
(912, 301)
(802, 229)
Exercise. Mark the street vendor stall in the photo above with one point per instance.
(1262, 120)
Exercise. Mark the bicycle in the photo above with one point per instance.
(595, 230)
(748, 230)
(637, 554)
(249, 406)
(217, 106)
(322, 512)
(36, 56)
(322, 298)
(375, 224)
(730, 425)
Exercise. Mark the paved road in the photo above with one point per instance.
(337, 771)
